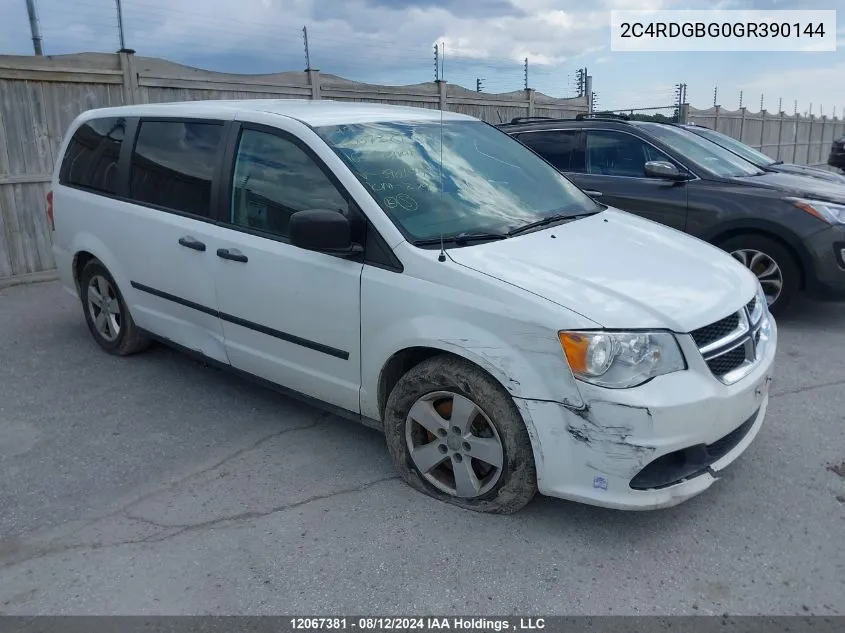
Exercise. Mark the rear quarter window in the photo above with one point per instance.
(91, 158)
(562, 148)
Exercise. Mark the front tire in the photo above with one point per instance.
(773, 265)
(456, 435)
(106, 313)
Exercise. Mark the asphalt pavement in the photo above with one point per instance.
(156, 485)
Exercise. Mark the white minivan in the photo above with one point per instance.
(422, 273)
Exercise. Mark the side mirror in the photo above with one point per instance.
(322, 230)
(663, 169)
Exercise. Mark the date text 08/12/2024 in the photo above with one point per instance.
(416, 623)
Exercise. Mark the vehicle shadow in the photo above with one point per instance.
(826, 314)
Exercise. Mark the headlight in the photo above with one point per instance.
(826, 211)
(621, 359)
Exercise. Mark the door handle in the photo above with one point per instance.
(190, 242)
(232, 253)
(592, 194)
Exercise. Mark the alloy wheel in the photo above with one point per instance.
(454, 444)
(765, 268)
(104, 307)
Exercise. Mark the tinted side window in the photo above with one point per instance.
(173, 163)
(274, 178)
(619, 154)
(562, 149)
(92, 155)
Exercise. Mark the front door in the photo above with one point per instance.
(615, 167)
(289, 315)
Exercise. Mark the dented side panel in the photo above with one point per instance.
(506, 331)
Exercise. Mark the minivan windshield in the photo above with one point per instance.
(748, 153)
(479, 180)
(705, 154)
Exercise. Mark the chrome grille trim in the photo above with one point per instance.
(749, 335)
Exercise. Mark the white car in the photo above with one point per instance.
(423, 273)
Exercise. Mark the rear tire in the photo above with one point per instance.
(106, 313)
(772, 263)
(473, 450)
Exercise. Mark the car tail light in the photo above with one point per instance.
(50, 218)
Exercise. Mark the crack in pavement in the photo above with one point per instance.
(176, 530)
(172, 486)
(80, 526)
(256, 514)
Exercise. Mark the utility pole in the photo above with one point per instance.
(34, 27)
(443, 61)
(525, 74)
(436, 62)
(761, 103)
(680, 96)
(715, 95)
(780, 104)
(478, 85)
(580, 80)
(307, 51)
(120, 25)
(740, 99)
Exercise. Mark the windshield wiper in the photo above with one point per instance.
(462, 239)
(778, 162)
(549, 219)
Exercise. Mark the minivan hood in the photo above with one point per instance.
(797, 186)
(812, 172)
(619, 271)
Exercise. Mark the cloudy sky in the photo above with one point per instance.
(391, 41)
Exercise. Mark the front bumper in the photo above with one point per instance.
(653, 446)
(827, 249)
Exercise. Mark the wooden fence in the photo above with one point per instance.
(792, 139)
(40, 97)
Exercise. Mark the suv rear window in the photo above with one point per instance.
(173, 164)
(91, 158)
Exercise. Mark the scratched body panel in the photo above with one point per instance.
(590, 453)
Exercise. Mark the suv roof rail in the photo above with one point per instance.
(528, 119)
(603, 115)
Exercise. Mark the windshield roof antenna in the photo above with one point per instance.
(442, 256)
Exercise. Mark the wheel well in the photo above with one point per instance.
(397, 366)
(799, 261)
(79, 261)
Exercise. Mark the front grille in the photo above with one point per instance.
(711, 333)
(732, 345)
(751, 305)
(721, 365)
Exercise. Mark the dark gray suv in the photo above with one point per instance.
(788, 229)
(762, 161)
